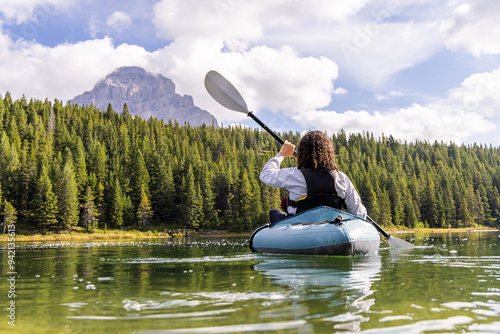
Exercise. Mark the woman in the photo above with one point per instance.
(315, 181)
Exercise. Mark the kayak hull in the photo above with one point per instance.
(319, 231)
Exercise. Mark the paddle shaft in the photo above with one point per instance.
(271, 132)
(384, 233)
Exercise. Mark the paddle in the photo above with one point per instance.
(228, 96)
(393, 241)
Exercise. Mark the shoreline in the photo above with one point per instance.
(444, 230)
(116, 235)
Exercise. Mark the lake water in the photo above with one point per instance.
(448, 283)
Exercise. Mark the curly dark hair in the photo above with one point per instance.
(316, 151)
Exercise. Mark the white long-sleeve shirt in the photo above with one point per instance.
(293, 180)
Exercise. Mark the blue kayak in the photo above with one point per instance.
(318, 231)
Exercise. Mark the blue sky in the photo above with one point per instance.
(414, 69)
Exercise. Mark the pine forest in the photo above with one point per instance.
(63, 166)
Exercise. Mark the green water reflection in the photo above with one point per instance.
(447, 283)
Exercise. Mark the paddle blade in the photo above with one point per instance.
(398, 243)
(224, 92)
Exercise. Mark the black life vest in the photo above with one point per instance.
(320, 191)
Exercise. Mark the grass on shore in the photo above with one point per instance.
(445, 230)
(80, 234)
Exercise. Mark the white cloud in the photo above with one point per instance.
(369, 48)
(467, 112)
(389, 95)
(32, 10)
(93, 26)
(325, 10)
(472, 25)
(375, 52)
(234, 22)
(64, 71)
(416, 122)
(281, 80)
(360, 36)
(119, 21)
(479, 93)
(282, 55)
(275, 79)
(340, 91)
(239, 23)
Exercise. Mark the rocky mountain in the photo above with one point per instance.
(146, 95)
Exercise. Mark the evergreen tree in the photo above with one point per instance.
(384, 208)
(478, 209)
(448, 202)
(144, 212)
(9, 167)
(27, 175)
(208, 197)
(495, 204)
(129, 211)
(13, 133)
(369, 197)
(44, 203)
(100, 202)
(126, 113)
(396, 200)
(159, 191)
(80, 168)
(191, 202)
(464, 217)
(170, 203)
(116, 204)
(259, 216)
(139, 179)
(124, 151)
(9, 215)
(98, 160)
(90, 214)
(2, 113)
(67, 196)
(245, 201)
(483, 195)
(2, 201)
(223, 189)
(429, 202)
(409, 217)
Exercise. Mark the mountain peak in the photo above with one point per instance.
(147, 95)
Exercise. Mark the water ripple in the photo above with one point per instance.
(424, 326)
(190, 315)
(271, 326)
(153, 260)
